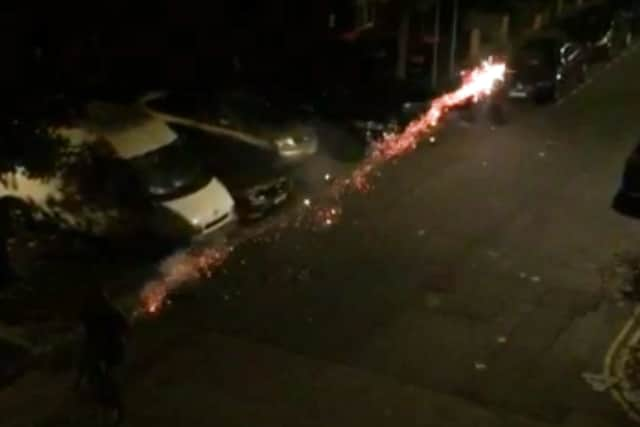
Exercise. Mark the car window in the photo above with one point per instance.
(227, 158)
(172, 171)
(237, 110)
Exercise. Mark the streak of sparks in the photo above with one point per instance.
(192, 265)
(179, 269)
(476, 84)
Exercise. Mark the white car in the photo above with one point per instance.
(163, 182)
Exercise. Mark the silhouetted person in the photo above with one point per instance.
(105, 330)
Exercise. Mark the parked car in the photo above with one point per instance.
(240, 116)
(602, 28)
(138, 176)
(254, 176)
(543, 68)
(384, 108)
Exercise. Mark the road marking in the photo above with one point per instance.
(616, 349)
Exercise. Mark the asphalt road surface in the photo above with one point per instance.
(465, 289)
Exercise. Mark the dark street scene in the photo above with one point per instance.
(320, 213)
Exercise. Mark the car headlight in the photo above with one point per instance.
(286, 144)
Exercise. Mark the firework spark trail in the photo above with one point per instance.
(181, 268)
(191, 265)
(476, 84)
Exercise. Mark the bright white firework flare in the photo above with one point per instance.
(195, 264)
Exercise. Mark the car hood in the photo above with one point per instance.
(243, 181)
(204, 206)
(533, 74)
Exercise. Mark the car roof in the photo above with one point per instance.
(129, 129)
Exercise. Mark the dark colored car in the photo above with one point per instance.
(627, 200)
(254, 176)
(603, 28)
(240, 115)
(545, 67)
(379, 108)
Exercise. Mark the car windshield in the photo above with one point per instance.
(250, 113)
(172, 171)
(237, 110)
(536, 53)
(236, 164)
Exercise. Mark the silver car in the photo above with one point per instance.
(239, 116)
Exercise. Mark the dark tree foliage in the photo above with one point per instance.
(33, 150)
